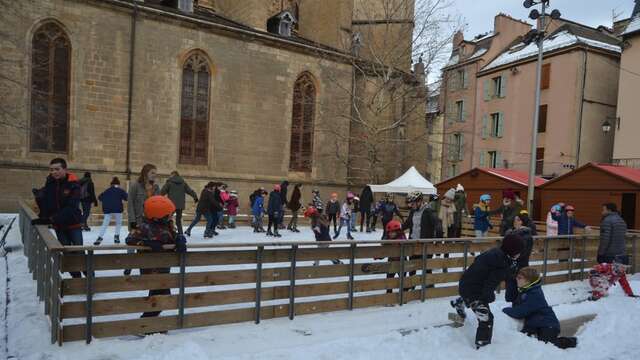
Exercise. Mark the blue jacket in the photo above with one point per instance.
(529, 304)
(481, 219)
(112, 199)
(275, 203)
(258, 206)
(566, 224)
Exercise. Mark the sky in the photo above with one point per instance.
(478, 14)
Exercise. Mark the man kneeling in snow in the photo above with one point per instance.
(529, 304)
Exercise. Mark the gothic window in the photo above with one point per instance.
(50, 72)
(194, 110)
(304, 102)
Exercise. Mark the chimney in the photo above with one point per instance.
(458, 38)
(418, 70)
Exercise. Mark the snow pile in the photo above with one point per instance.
(560, 40)
(371, 333)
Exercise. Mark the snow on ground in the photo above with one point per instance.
(371, 333)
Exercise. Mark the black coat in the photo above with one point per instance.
(89, 194)
(283, 191)
(205, 203)
(366, 199)
(59, 202)
(531, 306)
(428, 223)
(294, 203)
(217, 204)
(482, 278)
(527, 236)
(275, 203)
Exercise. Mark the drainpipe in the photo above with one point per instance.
(475, 106)
(132, 52)
(580, 111)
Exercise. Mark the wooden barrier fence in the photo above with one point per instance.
(216, 284)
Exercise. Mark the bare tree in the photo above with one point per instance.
(395, 45)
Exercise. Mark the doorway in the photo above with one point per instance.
(628, 209)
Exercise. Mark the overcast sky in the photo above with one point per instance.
(478, 14)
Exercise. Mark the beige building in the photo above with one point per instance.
(579, 92)
(435, 129)
(626, 125)
(246, 92)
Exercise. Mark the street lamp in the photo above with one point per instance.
(606, 127)
(536, 35)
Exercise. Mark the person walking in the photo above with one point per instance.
(295, 204)
(366, 204)
(613, 230)
(567, 221)
(274, 208)
(176, 189)
(447, 212)
(345, 216)
(333, 211)
(111, 200)
(481, 210)
(204, 207)
(552, 225)
(221, 197)
(87, 198)
(355, 210)
(59, 204)
(284, 192)
(257, 210)
(462, 210)
(388, 210)
(508, 210)
(139, 191)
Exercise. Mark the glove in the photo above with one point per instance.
(41, 221)
(181, 244)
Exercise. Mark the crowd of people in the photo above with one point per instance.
(65, 203)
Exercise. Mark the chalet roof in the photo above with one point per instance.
(519, 177)
(625, 173)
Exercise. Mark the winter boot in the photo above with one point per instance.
(116, 239)
(276, 233)
(458, 305)
(336, 262)
(127, 272)
(98, 241)
(295, 229)
(86, 228)
(349, 237)
(269, 233)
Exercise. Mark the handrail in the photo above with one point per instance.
(49, 239)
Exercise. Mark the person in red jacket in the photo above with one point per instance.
(602, 276)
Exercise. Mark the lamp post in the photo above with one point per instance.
(536, 35)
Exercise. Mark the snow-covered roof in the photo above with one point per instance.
(558, 40)
(633, 26)
(483, 37)
(410, 181)
(455, 59)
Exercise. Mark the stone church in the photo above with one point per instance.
(248, 92)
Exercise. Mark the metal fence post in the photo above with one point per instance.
(89, 309)
(292, 284)
(259, 254)
(423, 288)
(466, 255)
(584, 255)
(181, 299)
(352, 258)
(570, 259)
(401, 289)
(545, 259)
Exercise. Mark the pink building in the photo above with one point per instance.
(579, 91)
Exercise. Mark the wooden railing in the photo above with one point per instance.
(228, 283)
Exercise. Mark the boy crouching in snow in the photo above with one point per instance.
(529, 304)
(156, 230)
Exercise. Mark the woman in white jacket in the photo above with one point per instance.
(552, 225)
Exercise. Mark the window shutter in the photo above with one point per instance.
(485, 124)
(503, 86)
(487, 89)
(460, 150)
(542, 118)
(449, 113)
(546, 76)
(482, 159)
(451, 147)
(466, 79)
(498, 159)
(464, 112)
(500, 124)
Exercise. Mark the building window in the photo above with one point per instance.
(542, 119)
(493, 159)
(455, 146)
(546, 76)
(462, 79)
(194, 110)
(460, 111)
(50, 74)
(497, 125)
(302, 118)
(539, 161)
(429, 151)
(497, 86)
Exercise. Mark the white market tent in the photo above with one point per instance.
(410, 181)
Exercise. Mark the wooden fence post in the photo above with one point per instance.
(423, 288)
(352, 258)
(89, 305)
(401, 289)
(545, 259)
(292, 282)
(183, 261)
(258, 283)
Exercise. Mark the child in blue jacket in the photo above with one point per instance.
(257, 210)
(529, 304)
